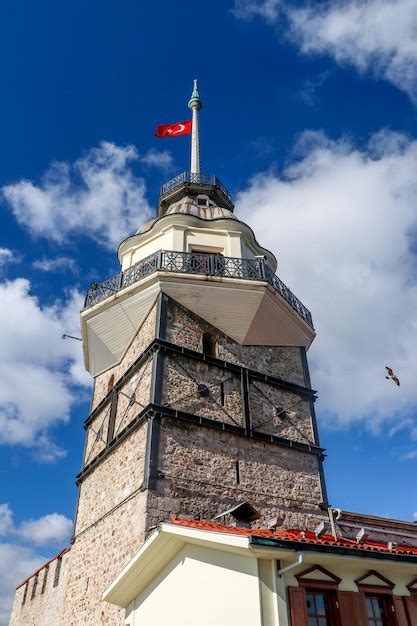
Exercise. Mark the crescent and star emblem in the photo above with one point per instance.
(179, 129)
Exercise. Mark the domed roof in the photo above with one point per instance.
(187, 206)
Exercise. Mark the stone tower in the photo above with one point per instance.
(202, 398)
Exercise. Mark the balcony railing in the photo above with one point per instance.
(196, 263)
(200, 179)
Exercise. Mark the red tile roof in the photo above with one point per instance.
(295, 535)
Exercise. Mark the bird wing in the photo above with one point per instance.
(396, 381)
(389, 370)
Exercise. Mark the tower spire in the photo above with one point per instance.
(195, 105)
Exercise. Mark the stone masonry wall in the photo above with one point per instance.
(110, 526)
(280, 412)
(118, 476)
(186, 329)
(274, 410)
(97, 556)
(199, 477)
(203, 471)
(132, 397)
(96, 435)
(206, 471)
(141, 341)
(181, 377)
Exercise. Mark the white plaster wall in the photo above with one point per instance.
(183, 232)
(212, 241)
(182, 238)
(161, 241)
(202, 586)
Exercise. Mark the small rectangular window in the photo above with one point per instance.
(57, 571)
(237, 473)
(25, 593)
(222, 394)
(45, 578)
(377, 610)
(35, 584)
(319, 608)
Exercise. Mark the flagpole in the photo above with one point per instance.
(195, 105)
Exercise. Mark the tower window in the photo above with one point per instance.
(209, 345)
(202, 201)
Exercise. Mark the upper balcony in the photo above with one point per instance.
(188, 182)
(194, 263)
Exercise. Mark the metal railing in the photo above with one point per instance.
(196, 263)
(189, 177)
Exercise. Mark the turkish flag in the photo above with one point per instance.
(173, 130)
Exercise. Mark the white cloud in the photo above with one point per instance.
(58, 264)
(156, 158)
(98, 196)
(378, 37)
(18, 561)
(343, 223)
(53, 528)
(267, 9)
(38, 370)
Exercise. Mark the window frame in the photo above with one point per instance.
(388, 604)
(328, 587)
(329, 590)
(385, 589)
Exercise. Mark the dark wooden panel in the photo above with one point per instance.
(298, 606)
(411, 606)
(352, 611)
(400, 612)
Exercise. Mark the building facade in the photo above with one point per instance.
(202, 403)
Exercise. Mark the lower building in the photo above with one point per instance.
(201, 572)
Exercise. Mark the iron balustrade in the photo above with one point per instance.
(199, 179)
(196, 263)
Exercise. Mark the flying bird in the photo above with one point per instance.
(392, 376)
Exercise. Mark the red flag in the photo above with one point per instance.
(173, 130)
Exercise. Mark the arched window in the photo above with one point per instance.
(110, 384)
(209, 345)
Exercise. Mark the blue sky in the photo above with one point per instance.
(309, 118)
